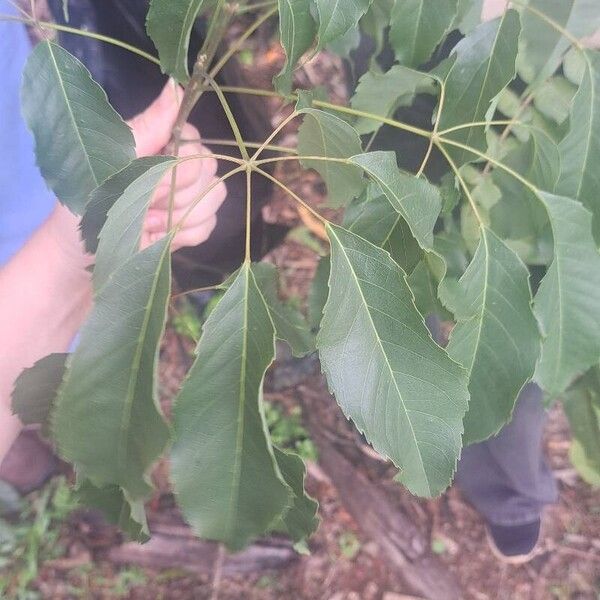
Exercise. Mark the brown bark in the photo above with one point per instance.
(176, 547)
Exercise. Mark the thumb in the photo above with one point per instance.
(152, 128)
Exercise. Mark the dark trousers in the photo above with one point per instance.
(506, 477)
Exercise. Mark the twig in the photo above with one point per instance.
(510, 126)
(218, 575)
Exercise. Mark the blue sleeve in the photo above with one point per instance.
(25, 201)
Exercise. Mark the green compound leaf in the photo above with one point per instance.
(225, 475)
(484, 66)
(169, 25)
(297, 31)
(107, 421)
(424, 287)
(105, 196)
(568, 301)
(554, 97)
(129, 193)
(418, 26)
(518, 217)
(129, 516)
(338, 17)
(79, 138)
(574, 66)
(414, 198)
(383, 93)
(35, 389)
(542, 45)
(582, 406)
(388, 375)
(580, 149)
(300, 521)
(347, 44)
(496, 338)
(538, 159)
(290, 325)
(324, 134)
(373, 218)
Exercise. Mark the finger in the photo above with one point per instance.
(190, 132)
(492, 9)
(191, 170)
(208, 166)
(188, 173)
(183, 195)
(152, 128)
(147, 239)
(190, 236)
(157, 219)
(193, 236)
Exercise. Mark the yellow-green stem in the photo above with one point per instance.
(481, 124)
(205, 192)
(240, 41)
(233, 143)
(273, 135)
(89, 34)
(544, 17)
(491, 159)
(435, 129)
(208, 288)
(462, 182)
(277, 159)
(237, 134)
(248, 252)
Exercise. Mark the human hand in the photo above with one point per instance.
(152, 131)
(492, 9)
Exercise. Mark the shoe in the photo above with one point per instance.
(514, 544)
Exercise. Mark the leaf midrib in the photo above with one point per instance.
(484, 299)
(555, 261)
(135, 367)
(291, 35)
(240, 434)
(590, 129)
(483, 87)
(239, 438)
(71, 114)
(400, 208)
(183, 37)
(327, 27)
